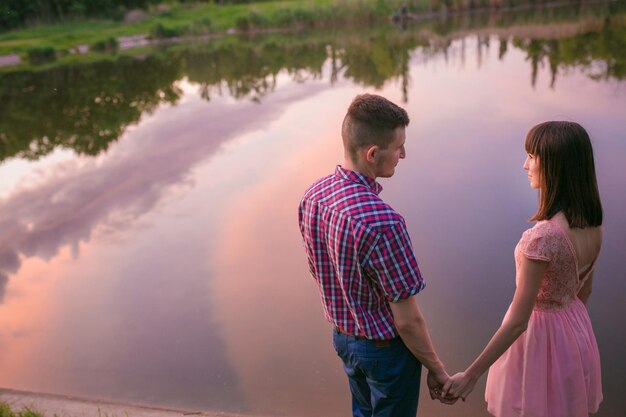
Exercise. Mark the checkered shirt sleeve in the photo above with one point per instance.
(392, 264)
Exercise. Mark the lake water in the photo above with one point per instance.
(150, 250)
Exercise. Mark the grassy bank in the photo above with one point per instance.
(196, 19)
(169, 20)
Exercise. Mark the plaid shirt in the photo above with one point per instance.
(359, 252)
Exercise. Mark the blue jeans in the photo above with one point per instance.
(384, 380)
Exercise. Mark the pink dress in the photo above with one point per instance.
(553, 368)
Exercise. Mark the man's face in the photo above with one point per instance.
(388, 158)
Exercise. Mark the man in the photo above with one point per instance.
(360, 255)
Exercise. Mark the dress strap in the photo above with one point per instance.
(583, 278)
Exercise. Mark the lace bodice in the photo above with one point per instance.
(547, 241)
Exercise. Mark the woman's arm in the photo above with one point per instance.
(514, 324)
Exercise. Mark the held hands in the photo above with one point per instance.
(435, 384)
(458, 386)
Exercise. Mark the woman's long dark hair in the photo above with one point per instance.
(568, 174)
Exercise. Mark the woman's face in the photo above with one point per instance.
(532, 166)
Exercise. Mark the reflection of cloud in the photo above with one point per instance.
(3, 285)
(268, 305)
(74, 197)
(9, 262)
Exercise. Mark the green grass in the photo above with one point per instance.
(194, 19)
(198, 19)
(5, 411)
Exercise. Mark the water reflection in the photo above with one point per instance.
(273, 316)
(161, 263)
(107, 97)
(81, 107)
(85, 212)
(70, 199)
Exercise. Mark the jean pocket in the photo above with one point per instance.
(340, 347)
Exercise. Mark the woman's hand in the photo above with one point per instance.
(435, 384)
(459, 386)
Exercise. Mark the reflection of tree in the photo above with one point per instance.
(537, 15)
(601, 55)
(503, 46)
(249, 70)
(374, 61)
(82, 107)
(371, 63)
(86, 107)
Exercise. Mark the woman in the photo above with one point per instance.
(544, 360)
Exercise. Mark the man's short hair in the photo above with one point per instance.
(371, 120)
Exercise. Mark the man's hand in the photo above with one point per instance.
(435, 386)
(459, 386)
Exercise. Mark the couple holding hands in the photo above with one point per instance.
(543, 361)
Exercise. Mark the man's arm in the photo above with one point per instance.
(413, 330)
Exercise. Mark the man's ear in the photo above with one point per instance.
(372, 154)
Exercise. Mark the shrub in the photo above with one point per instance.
(284, 17)
(161, 31)
(201, 27)
(41, 55)
(258, 20)
(77, 9)
(242, 23)
(108, 45)
(253, 20)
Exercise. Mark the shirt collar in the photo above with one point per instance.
(358, 178)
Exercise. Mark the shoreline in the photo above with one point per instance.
(56, 49)
(58, 405)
